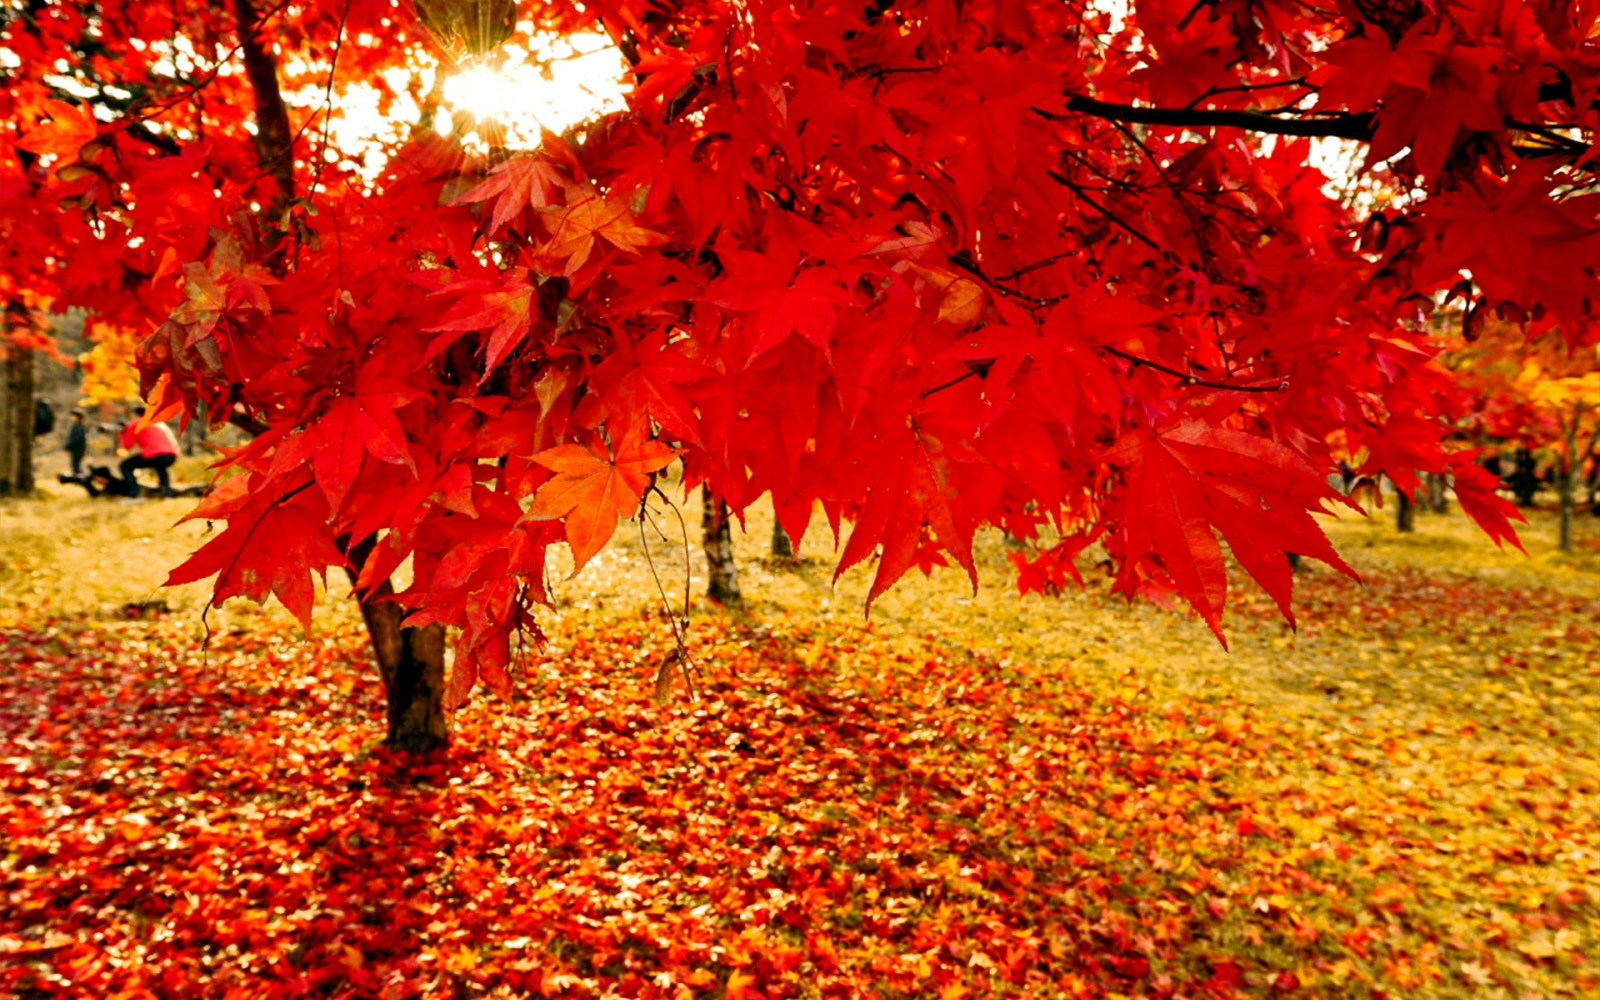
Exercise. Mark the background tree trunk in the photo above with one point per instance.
(1438, 500)
(1566, 479)
(1593, 484)
(274, 137)
(1405, 512)
(16, 422)
(1565, 491)
(717, 539)
(782, 544)
(1524, 479)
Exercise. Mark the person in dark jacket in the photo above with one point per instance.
(77, 442)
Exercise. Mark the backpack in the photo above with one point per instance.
(44, 417)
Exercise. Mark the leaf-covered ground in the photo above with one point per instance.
(970, 796)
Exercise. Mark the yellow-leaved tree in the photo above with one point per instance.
(109, 374)
(1565, 387)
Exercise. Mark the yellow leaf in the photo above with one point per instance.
(463, 959)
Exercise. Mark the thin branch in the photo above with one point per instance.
(1343, 125)
(1207, 261)
(195, 89)
(975, 369)
(679, 657)
(1038, 265)
(1555, 140)
(1191, 379)
(1076, 189)
(327, 104)
(1245, 88)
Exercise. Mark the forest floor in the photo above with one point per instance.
(964, 796)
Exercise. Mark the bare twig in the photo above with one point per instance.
(1189, 378)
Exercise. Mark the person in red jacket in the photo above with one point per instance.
(156, 447)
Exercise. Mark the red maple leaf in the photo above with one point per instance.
(1190, 481)
(353, 427)
(503, 307)
(522, 182)
(643, 381)
(270, 546)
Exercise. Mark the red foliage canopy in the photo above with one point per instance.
(925, 265)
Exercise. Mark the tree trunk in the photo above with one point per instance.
(410, 661)
(193, 437)
(274, 136)
(1564, 486)
(16, 421)
(1438, 503)
(1592, 480)
(1405, 512)
(782, 544)
(1524, 480)
(717, 539)
(1566, 476)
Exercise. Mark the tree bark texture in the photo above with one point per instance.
(717, 539)
(1565, 485)
(1438, 499)
(1524, 478)
(1405, 512)
(410, 662)
(16, 422)
(1566, 480)
(274, 137)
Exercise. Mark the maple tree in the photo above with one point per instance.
(1536, 396)
(925, 266)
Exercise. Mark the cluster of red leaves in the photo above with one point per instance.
(846, 812)
(920, 266)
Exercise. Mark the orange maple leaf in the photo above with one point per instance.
(593, 490)
(575, 229)
(68, 129)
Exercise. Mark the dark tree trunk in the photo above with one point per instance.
(410, 661)
(1524, 480)
(1405, 512)
(16, 421)
(1593, 480)
(1566, 479)
(1564, 485)
(193, 437)
(274, 137)
(782, 544)
(1438, 502)
(717, 538)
